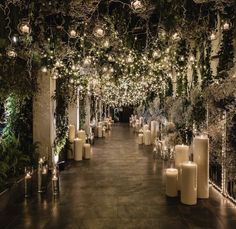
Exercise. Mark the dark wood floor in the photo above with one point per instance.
(120, 187)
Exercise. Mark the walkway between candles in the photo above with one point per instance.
(120, 187)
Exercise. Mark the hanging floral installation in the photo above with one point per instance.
(153, 55)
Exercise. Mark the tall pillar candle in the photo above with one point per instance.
(147, 137)
(171, 182)
(99, 128)
(82, 135)
(78, 149)
(201, 158)
(71, 133)
(181, 155)
(189, 183)
(153, 130)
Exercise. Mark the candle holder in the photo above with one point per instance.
(40, 167)
(55, 180)
(28, 183)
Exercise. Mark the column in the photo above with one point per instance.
(44, 127)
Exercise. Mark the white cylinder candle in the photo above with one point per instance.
(99, 131)
(171, 182)
(87, 151)
(201, 158)
(189, 183)
(181, 155)
(140, 139)
(82, 135)
(71, 133)
(147, 137)
(78, 149)
(153, 130)
(145, 127)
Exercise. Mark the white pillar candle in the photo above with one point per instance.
(78, 149)
(181, 155)
(189, 183)
(153, 130)
(201, 158)
(82, 135)
(145, 127)
(87, 151)
(147, 137)
(99, 131)
(140, 139)
(71, 133)
(171, 182)
(137, 126)
(104, 131)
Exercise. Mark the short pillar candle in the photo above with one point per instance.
(140, 139)
(78, 149)
(201, 158)
(99, 131)
(171, 182)
(189, 183)
(87, 151)
(82, 135)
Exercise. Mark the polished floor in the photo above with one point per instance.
(120, 187)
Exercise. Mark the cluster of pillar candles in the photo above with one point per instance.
(80, 144)
(191, 178)
(42, 179)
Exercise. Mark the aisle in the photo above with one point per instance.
(121, 187)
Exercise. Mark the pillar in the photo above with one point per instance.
(44, 125)
(88, 115)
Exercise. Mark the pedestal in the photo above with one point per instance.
(171, 182)
(140, 139)
(147, 137)
(201, 158)
(78, 149)
(189, 183)
(87, 151)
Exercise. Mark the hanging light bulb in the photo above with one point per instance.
(129, 59)
(87, 61)
(156, 54)
(138, 5)
(15, 39)
(24, 27)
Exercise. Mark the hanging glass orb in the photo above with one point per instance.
(15, 39)
(73, 33)
(192, 58)
(176, 37)
(106, 43)
(99, 32)
(24, 27)
(130, 59)
(87, 61)
(44, 69)
(156, 54)
(11, 53)
(226, 25)
(138, 6)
